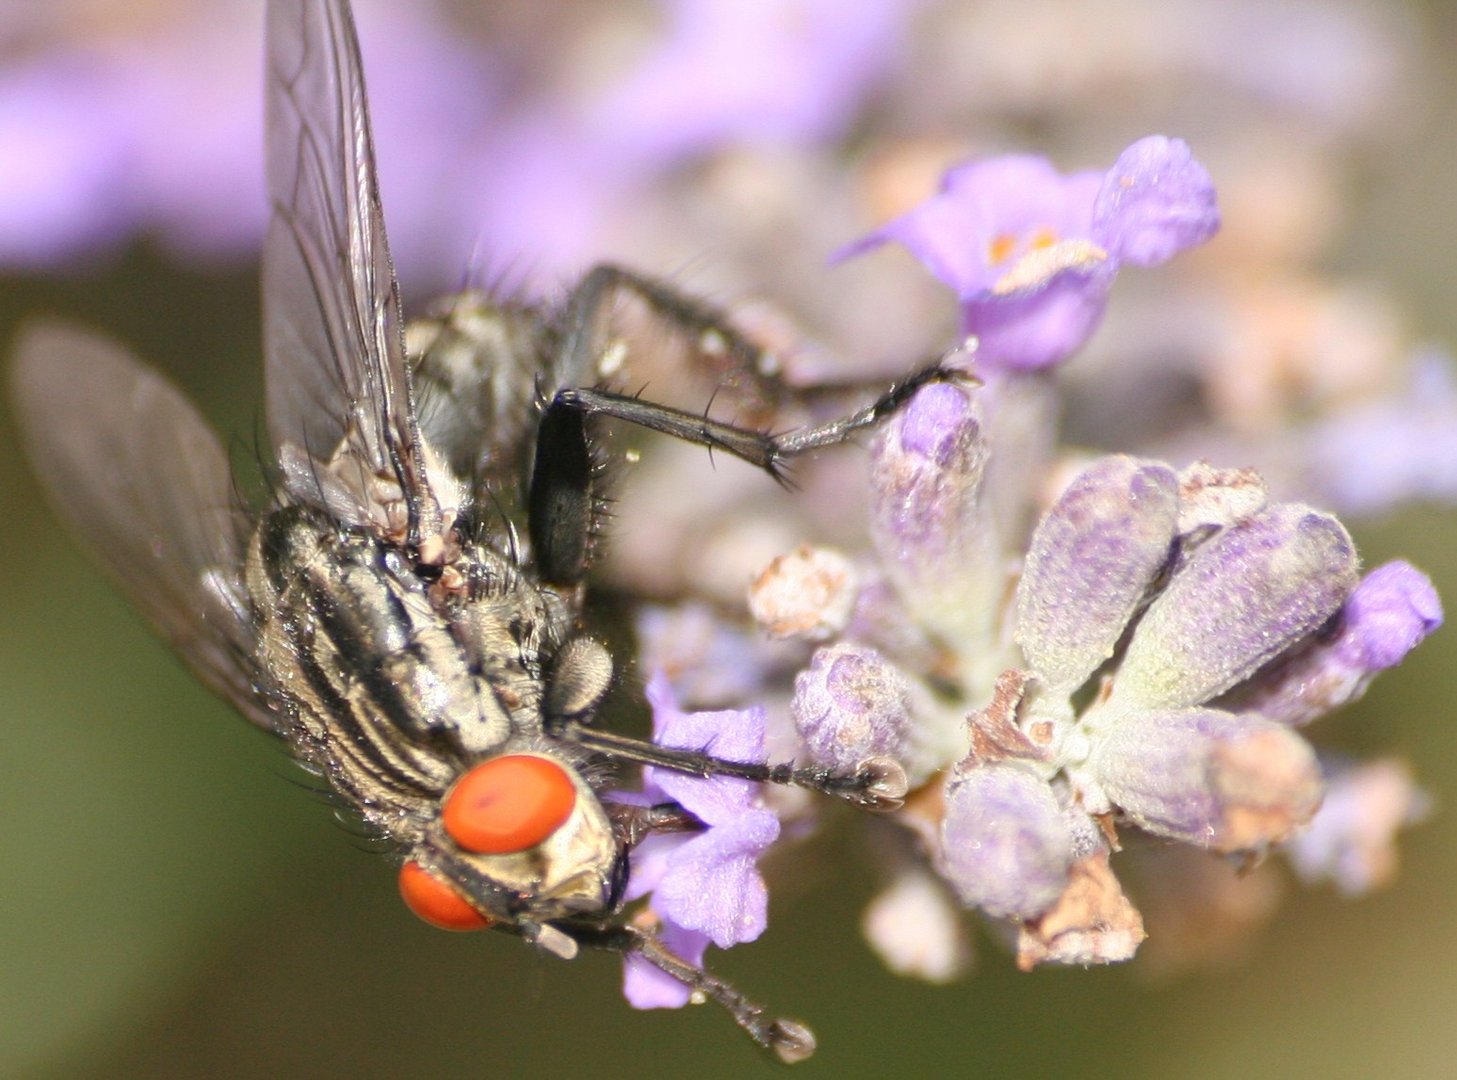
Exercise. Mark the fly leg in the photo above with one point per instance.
(714, 345)
(877, 783)
(563, 501)
(788, 1040)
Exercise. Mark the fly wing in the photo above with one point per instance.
(133, 469)
(333, 336)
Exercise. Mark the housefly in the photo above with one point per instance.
(380, 613)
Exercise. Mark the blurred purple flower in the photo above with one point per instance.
(752, 70)
(1032, 255)
(1352, 840)
(63, 186)
(1407, 441)
(705, 886)
(163, 134)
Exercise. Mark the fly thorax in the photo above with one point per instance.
(380, 686)
(506, 624)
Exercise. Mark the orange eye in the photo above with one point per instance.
(508, 804)
(436, 902)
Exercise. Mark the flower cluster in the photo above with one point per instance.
(1143, 658)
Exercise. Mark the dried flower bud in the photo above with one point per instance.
(1218, 498)
(809, 593)
(1093, 922)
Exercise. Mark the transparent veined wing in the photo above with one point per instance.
(137, 474)
(332, 331)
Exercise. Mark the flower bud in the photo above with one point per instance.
(1218, 780)
(1239, 602)
(1092, 559)
(1005, 845)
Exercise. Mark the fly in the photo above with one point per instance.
(380, 613)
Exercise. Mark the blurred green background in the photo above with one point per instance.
(176, 905)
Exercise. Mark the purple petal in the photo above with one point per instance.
(1005, 844)
(645, 987)
(1027, 331)
(1155, 202)
(1391, 611)
(712, 885)
(1092, 559)
(1240, 601)
(736, 735)
(851, 704)
(707, 881)
(648, 862)
(988, 215)
(1215, 779)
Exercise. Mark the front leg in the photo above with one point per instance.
(878, 783)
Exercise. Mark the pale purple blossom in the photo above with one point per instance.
(1031, 255)
(705, 886)
(161, 133)
(1374, 456)
(63, 187)
(1352, 840)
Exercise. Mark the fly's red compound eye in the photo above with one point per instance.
(508, 804)
(437, 902)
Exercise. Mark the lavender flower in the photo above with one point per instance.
(705, 886)
(1196, 604)
(1032, 255)
(1148, 659)
(812, 62)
